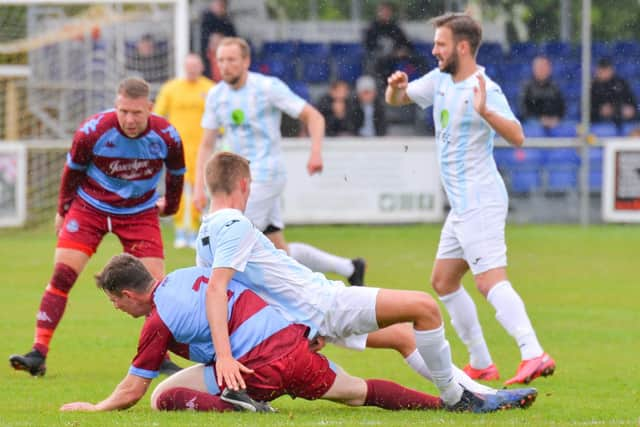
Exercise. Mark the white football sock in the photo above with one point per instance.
(415, 361)
(512, 315)
(464, 318)
(436, 353)
(318, 260)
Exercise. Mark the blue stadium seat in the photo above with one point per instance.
(629, 69)
(277, 67)
(317, 50)
(424, 49)
(315, 70)
(596, 155)
(524, 51)
(628, 127)
(604, 129)
(522, 167)
(626, 48)
(565, 129)
(301, 89)
(595, 181)
(490, 53)
(573, 109)
(557, 49)
(348, 69)
(286, 49)
(533, 129)
(600, 49)
(346, 50)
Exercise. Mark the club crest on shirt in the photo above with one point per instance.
(237, 117)
(72, 226)
(154, 148)
(444, 118)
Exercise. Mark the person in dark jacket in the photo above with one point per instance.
(365, 112)
(541, 98)
(611, 96)
(333, 106)
(215, 20)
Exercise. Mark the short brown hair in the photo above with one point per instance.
(124, 271)
(463, 27)
(224, 170)
(134, 88)
(238, 41)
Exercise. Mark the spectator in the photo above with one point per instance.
(212, 47)
(611, 96)
(386, 44)
(214, 20)
(333, 106)
(365, 111)
(148, 61)
(541, 98)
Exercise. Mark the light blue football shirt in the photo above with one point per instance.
(464, 140)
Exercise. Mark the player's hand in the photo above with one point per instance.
(79, 406)
(398, 80)
(199, 198)
(229, 371)
(58, 223)
(161, 204)
(480, 96)
(314, 165)
(317, 344)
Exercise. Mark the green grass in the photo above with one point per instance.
(580, 286)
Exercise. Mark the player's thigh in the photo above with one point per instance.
(447, 274)
(192, 378)
(83, 228)
(396, 306)
(481, 234)
(263, 206)
(140, 233)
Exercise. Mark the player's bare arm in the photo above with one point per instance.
(205, 149)
(510, 130)
(396, 93)
(228, 370)
(127, 393)
(315, 124)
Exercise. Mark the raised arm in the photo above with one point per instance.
(396, 93)
(126, 394)
(228, 370)
(205, 150)
(509, 129)
(316, 124)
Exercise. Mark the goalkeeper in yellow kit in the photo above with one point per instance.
(182, 100)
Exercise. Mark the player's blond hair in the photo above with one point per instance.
(245, 50)
(134, 88)
(224, 170)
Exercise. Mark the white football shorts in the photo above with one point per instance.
(351, 317)
(263, 207)
(477, 236)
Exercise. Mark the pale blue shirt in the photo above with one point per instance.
(250, 118)
(464, 139)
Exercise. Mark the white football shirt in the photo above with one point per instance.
(464, 140)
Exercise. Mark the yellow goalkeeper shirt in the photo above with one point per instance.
(182, 103)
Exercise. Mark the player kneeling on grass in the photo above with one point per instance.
(275, 351)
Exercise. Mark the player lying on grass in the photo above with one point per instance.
(232, 248)
(276, 350)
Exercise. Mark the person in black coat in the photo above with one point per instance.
(366, 111)
(611, 96)
(541, 98)
(214, 20)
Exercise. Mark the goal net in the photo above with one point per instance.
(60, 61)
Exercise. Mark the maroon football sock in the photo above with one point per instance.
(181, 398)
(389, 395)
(52, 305)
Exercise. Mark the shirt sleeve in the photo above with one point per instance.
(209, 120)
(422, 90)
(284, 99)
(497, 102)
(234, 244)
(152, 347)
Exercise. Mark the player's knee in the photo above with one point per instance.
(428, 310)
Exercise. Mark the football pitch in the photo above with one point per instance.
(580, 286)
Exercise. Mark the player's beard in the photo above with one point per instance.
(232, 81)
(451, 65)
